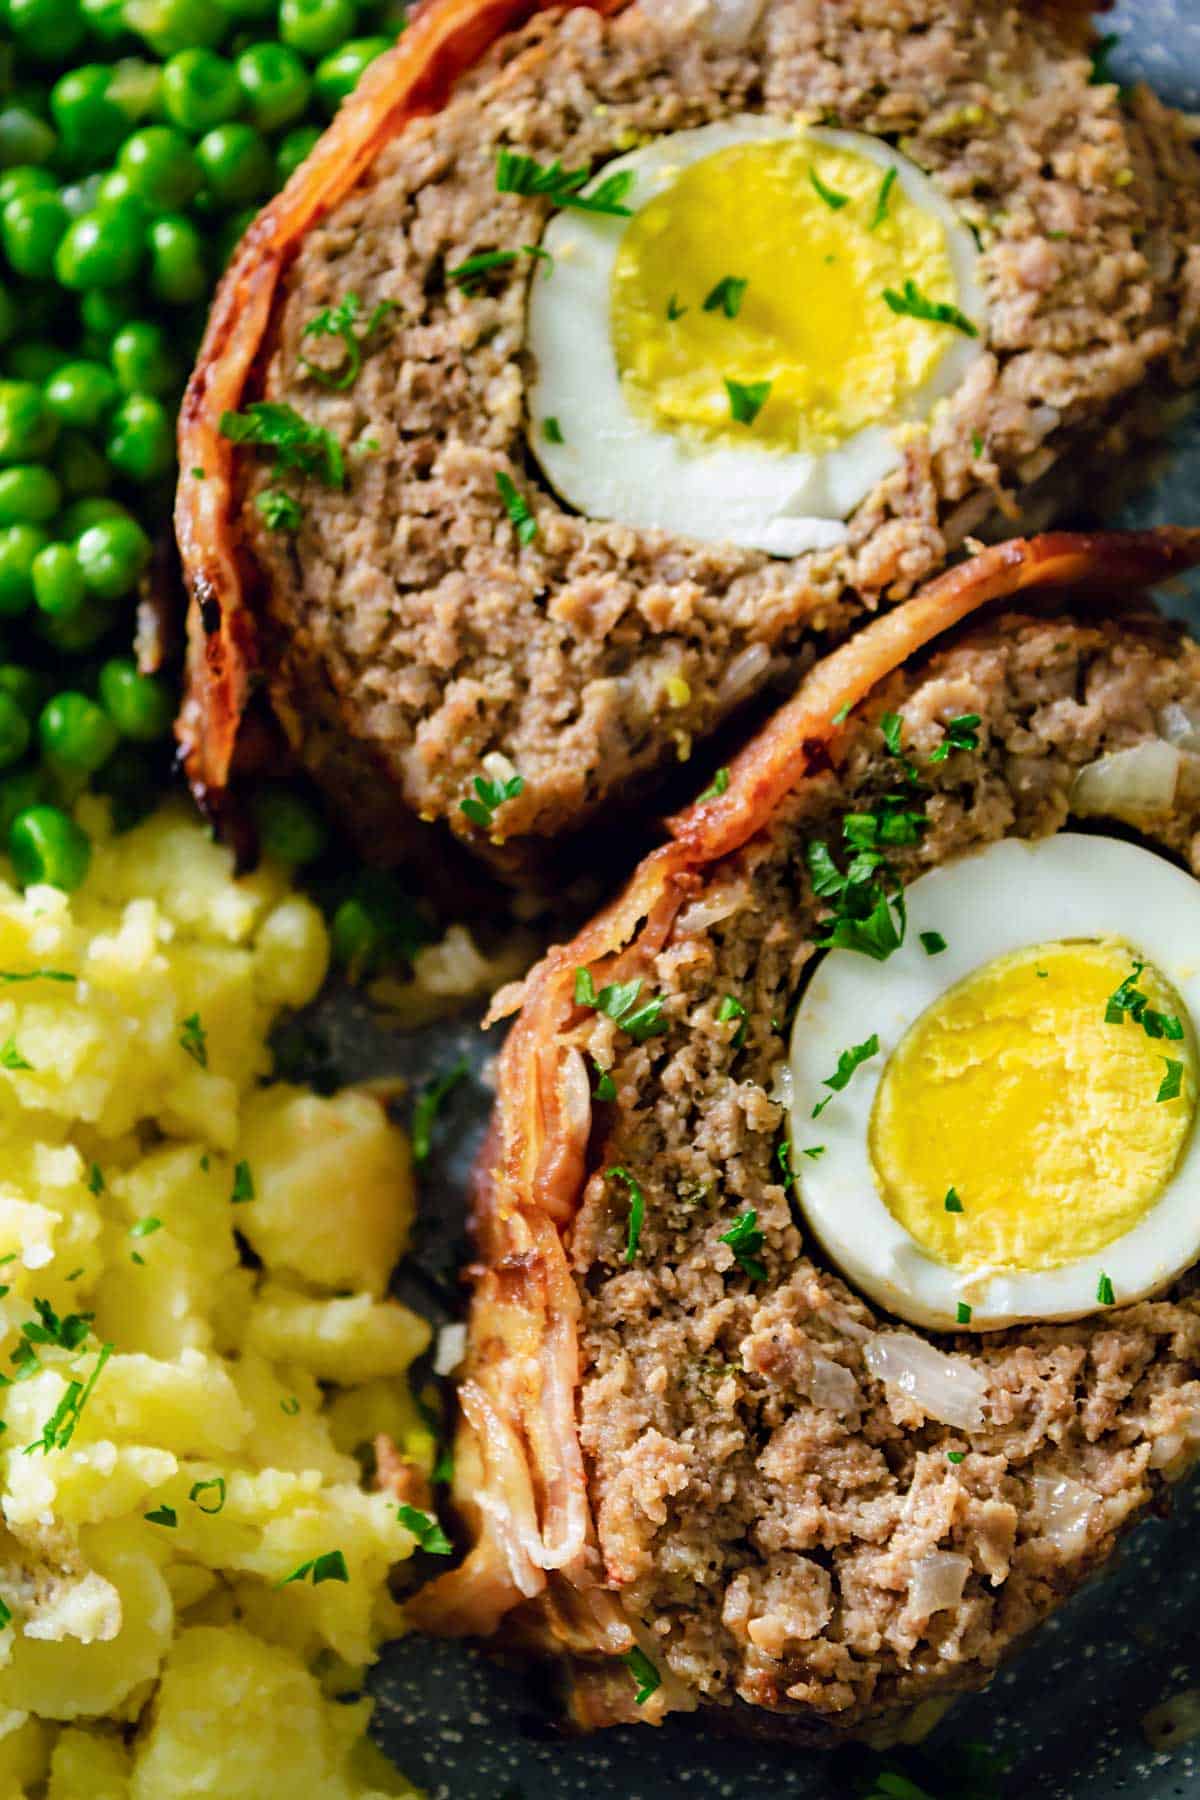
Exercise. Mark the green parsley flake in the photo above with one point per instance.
(891, 725)
(215, 1485)
(1172, 1081)
(843, 713)
(162, 1515)
(7, 975)
(517, 508)
(744, 1239)
(912, 303)
(293, 441)
(953, 1203)
(637, 1210)
(976, 445)
(720, 785)
(10, 1056)
(291, 1406)
(145, 1227)
(339, 321)
(426, 1530)
(517, 173)
(813, 1151)
(194, 1039)
(243, 1184)
(956, 1456)
(881, 200)
(746, 399)
(480, 808)
(962, 733)
(848, 1061)
(1104, 1292)
(429, 1103)
(646, 1677)
(726, 296)
(731, 1008)
(606, 1087)
(830, 196)
(467, 275)
(279, 511)
(1101, 75)
(783, 1156)
(329, 1567)
(963, 1314)
(551, 430)
(59, 1428)
(674, 310)
(618, 1002)
(1128, 1002)
(932, 943)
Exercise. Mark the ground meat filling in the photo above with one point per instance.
(767, 1512)
(409, 633)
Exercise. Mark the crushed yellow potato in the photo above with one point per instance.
(190, 1565)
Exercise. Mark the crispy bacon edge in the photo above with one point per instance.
(520, 1485)
(444, 40)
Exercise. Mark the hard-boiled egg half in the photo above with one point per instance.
(731, 355)
(1008, 1134)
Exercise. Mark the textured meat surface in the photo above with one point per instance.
(768, 1514)
(409, 634)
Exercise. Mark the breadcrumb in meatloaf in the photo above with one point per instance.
(408, 634)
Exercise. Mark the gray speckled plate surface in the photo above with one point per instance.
(1066, 1715)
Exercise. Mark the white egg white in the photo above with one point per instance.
(1010, 896)
(614, 465)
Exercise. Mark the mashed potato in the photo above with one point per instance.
(190, 1565)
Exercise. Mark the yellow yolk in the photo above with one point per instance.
(812, 320)
(1013, 1090)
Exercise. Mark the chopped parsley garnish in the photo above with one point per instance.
(517, 173)
(279, 511)
(843, 713)
(291, 1406)
(295, 443)
(868, 907)
(429, 1103)
(830, 196)
(813, 1151)
(426, 1530)
(963, 1314)
(976, 445)
(1128, 1002)
(551, 429)
(466, 275)
(720, 785)
(243, 1184)
(194, 1039)
(145, 1227)
(59, 1428)
(881, 200)
(962, 733)
(162, 1515)
(66, 1333)
(674, 310)
(517, 507)
(481, 808)
(953, 1203)
(956, 1456)
(783, 1156)
(848, 1061)
(215, 1485)
(746, 399)
(932, 943)
(1101, 74)
(744, 1239)
(645, 1675)
(1104, 1292)
(329, 1567)
(637, 1210)
(913, 303)
(37, 975)
(891, 725)
(731, 1008)
(618, 1002)
(606, 1087)
(1172, 1081)
(894, 823)
(95, 1179)
(727, 296)
(339, 321)
(10, 1056)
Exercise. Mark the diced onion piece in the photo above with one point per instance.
(1180, 725)
(832, 1385)
(451, 1349)
(498, 766)
(949, 1388)
(1174, 1450)
(702, 914)
(1064, 1506)
(727, 23)
(1173, 1723)
(1128, 784)
(751, 662)
(782, 1084)
(938, 1580)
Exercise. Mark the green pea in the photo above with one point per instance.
(129, 780)
(9, 316)
(26, 178)
(90, 121)
(338, 74)
(27, 426)
(24, 138)
(82, 514)
(46, 845)
(140, 706)
(48, 30)
(31, 227)
(160, 166)
(178, 269)
(14, 732)
(293, 149)
(236, 162)
(316, 27)
(34, 360)
(112, 554)
(58, 584)
(355, 938)
(29, 494)
(44, 311)
(276, 85)
(19, 544)
(80, 466)
(115, 189)
(232, 232)
(245, 11)
(142, 359)
(375, 922)
(200, 90)
(105, 18)
(75, 733)
(71, 633)
(80, 393)
(169, 26)
(290, 829)
(25, 687)
(105, 310)
(102, 249)
(18, 791)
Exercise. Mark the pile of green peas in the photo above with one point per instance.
(137, 140)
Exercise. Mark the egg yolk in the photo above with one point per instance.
(811, 319)
(1017, 1092)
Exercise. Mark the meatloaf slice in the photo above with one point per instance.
(676, 1468)
(409, 635)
